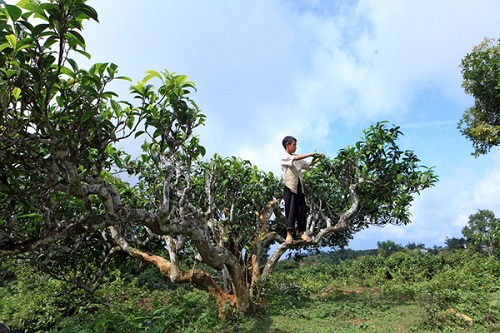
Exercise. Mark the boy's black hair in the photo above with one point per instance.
(288, 140)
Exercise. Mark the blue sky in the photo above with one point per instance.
(321, 71)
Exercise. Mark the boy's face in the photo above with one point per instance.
(291, 147)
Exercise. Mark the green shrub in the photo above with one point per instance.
(360, 290)
(467, 289)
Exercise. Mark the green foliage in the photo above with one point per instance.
(388, 247)
(22, 307)
(481, 80)
(64, 206)
(57, 121)
(43, 304)
(374, 172)
(483, 232)
(179, 312)
(241, 190)
(61, 121)
(453, 243)
(352, 295)
(468, 287)
(461, 281)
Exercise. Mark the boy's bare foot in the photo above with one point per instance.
(305, 237)
(289, 238)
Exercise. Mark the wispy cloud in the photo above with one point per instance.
(321, 71)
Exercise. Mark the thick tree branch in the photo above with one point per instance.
(200, 278)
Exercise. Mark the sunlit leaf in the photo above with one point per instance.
(151, 74)
(12, 40)
(130, 122)
(16, 93)
(4, 46)
(126, 78)
(23, 47)
(28, 5)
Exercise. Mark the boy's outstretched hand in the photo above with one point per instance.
(316, 157)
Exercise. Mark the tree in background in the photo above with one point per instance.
(414, 246)
(388, 247)
(453, 243)
(481, 80)
(65, 199)
(483, 232)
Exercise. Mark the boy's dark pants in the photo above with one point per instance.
(295, 209)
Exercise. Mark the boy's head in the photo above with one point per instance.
(288, 140)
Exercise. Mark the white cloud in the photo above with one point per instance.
(487, 191)
(378, 70)
(321, 71)
(263, 66)
(444, 210)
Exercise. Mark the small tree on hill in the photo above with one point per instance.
(388, 247)
(483, 232)
(64, 195)
(453, 243)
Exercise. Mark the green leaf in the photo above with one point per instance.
(50, 41)
(152, 74)
(40, 28)
(16, 93)
(73, 64)
(202, 150)
(87, 115)
(30, 215)
(4, 46)
(25, 42)
(12, 40)
(23, 47)
(126, 78)
(139, 133)
(130, 122)
(85, 54)
(90, 12)
(14, 12)
(28, 5)
(78, 37)
(10, 73)
(139, 88)
(109, 94)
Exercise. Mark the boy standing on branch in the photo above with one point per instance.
(295, 203)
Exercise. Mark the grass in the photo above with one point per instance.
(315, 299)
(354, 311)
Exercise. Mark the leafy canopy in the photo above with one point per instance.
(481, 80)
(65, 198)
(483, 232)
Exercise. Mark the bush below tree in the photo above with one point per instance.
(437, 293)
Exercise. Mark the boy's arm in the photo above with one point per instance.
(302, 156)
(316, 156)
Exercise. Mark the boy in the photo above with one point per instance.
(295, 203)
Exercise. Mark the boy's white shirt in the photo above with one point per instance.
(292, 171)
